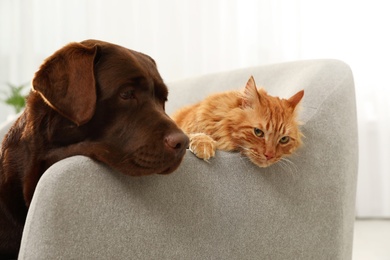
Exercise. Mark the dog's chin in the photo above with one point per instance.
(171, 168)
(137, 170)
(149, 161)
(142, 167)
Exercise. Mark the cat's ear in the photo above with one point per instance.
(251, 96)
(294, 100)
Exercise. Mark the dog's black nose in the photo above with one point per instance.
(177, 141)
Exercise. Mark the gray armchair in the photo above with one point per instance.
(225, 209)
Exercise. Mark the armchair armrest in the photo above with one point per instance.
(225, 209)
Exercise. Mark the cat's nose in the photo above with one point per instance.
(269, 155)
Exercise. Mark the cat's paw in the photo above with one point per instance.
(202, 145)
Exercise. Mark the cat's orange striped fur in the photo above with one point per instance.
(262, 127)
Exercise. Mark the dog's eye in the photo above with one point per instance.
(128, 94)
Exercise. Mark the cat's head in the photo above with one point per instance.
(269, 129)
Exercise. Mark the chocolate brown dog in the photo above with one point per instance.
(91, 98)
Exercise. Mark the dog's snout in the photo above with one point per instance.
(177, 141)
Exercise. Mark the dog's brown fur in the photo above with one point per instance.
(91, 98)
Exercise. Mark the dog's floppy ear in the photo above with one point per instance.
(66, 82)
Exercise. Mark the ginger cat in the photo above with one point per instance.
(262, 127)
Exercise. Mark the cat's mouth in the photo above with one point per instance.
(260, 160)
(265, 163)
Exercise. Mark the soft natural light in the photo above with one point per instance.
(189, 38)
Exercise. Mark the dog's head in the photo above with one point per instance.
(114, 99)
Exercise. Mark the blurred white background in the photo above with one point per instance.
(192, 37)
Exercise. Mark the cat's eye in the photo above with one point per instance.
(284, 140)
(258, 132)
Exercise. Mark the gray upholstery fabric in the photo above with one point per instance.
(225, 209)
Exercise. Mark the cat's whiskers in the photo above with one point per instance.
(283, 164)
(249, 151)
(288, 166)
(243, 148)
(254, 155)
(245, 158)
